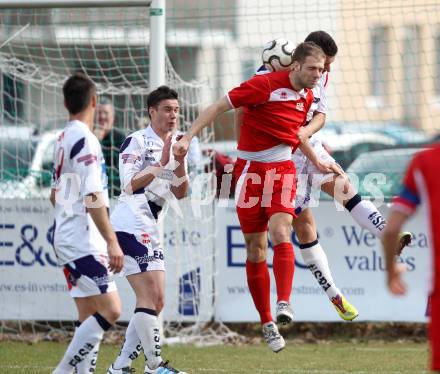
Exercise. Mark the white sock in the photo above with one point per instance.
(316, 260)
(84, 340)
(131, 347)
(148, 330)
(88, 365)
(365, 213)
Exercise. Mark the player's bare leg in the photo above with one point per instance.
(316, 260)
(364, 212)
(280, 231)
(258, 279)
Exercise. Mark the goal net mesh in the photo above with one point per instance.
(39, 49)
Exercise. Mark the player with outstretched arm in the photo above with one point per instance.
(275, 107)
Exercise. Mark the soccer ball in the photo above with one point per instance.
(277, 54)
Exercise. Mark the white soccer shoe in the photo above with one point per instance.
(273, 337)
(126, 370)
(163, 368)
(284, 312)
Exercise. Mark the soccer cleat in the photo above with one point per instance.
(273, 337)
(345, 310)
(163, 368)
(126, 370)
(284, 312)
(405, 238)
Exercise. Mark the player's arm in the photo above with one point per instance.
(52, 196)
(208, 116)
(84, 156)
(316, 123)
(133, 177)
(390, 242)
(142, 178)
(404, 205)
(323, 167)
(99, 212)
(204, 119)
(180, 183)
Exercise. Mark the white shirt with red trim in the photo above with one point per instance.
(136, 211)
(79, 170)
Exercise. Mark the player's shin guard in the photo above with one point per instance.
(365, 213)
(258, 280)
(84, 340)
(283, 269)
(316, 260)
(148, 329)
(131, 347)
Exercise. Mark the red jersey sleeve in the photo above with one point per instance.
(409, 197)
(252, 92)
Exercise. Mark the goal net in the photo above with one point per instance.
(383, 93)
(39, 48)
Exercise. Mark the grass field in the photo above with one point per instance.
(327, 357)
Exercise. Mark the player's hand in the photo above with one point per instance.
(116, 256)
(395, 282)
(327, 167)
(166, 151)
(180, 148)
(179, 159)
(303, 134)
(337, 169)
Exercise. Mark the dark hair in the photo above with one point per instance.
(159, 94)
(306, 49)
(325, 41)
(78, 91)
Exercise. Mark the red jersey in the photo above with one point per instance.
(422, 184)
(273, 111)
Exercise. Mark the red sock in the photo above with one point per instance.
(259, 285)
(283, 269)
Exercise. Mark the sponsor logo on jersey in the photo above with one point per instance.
(129, 159)
(87, 159)
(101, 281)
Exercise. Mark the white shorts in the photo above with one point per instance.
(89, 276)
(308, 176)
(140, 254)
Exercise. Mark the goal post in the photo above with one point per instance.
(121, 46)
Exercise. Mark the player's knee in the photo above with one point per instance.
(280, 234)
(112, 313)
(306, 233)
(256, 253)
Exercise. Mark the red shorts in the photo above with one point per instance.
(261, 190)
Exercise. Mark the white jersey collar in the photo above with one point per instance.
(149, 132)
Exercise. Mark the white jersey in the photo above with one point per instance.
(79, 170)
(136, 213)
